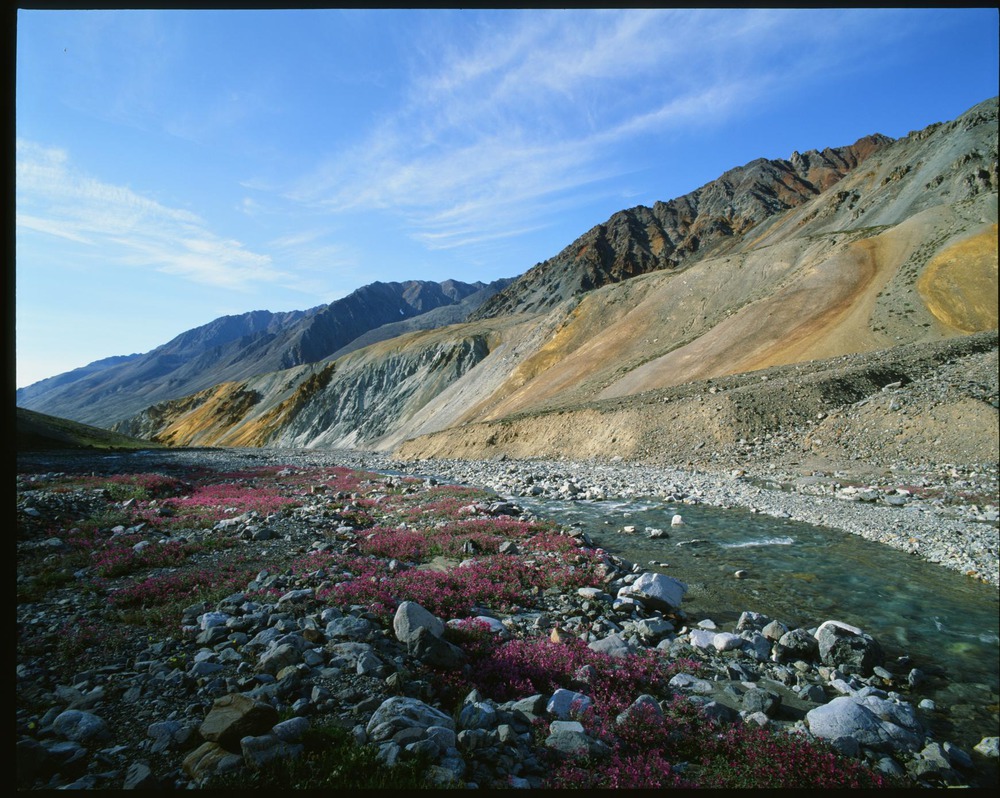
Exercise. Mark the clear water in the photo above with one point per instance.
(802, 575)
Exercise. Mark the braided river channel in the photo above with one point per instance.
(801, 574)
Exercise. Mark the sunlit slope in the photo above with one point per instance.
(899, 250)
(357, 400)
(959, 286)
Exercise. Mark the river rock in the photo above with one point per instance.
(727, 641)
(759, 700)
(210, 759)
(278, 657)
(613, 646)
(81, 727)
(655, 591)
(410, 616)
(566, 704)
(235, 716)
(988, 747)
(796, 644)
(843, 645)
(139, 776)
(400, 712)
(686, 683)
(847, 717)
(349, 627)
(434, 650)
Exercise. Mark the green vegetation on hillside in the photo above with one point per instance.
(37, 431)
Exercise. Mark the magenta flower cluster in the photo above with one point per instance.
(186, 586)
(119, 557)
(206, 505)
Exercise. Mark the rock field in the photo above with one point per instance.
(242, 678)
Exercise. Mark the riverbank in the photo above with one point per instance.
(123, 656)
(948, 516)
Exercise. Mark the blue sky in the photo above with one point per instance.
(175, 166)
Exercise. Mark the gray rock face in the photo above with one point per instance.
(230, 347)
(623, 247)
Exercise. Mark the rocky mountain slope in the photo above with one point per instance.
(668, 235)
(237, 347)
(885, 250)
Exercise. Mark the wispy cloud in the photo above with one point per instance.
(506, 114)
(57, 199)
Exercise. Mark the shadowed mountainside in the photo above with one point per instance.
(40, 432)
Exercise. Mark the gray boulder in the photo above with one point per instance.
(612, 645)
(655, 591)
(277, 657)
(81, 727)
(235, 716)
(845, 717)
(409, 617)
(399, 712)
(846, 646)
(796, 644)
(565, 704)
(758, 700)
(348, 627)
(435, 651)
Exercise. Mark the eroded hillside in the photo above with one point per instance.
(882, 246)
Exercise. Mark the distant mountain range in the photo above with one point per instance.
(846, 250)
(241, 346)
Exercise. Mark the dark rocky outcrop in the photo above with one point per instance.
(666, 236)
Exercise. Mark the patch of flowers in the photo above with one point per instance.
(160, 598)
(120, 556)
(746, 756)
(206, 505)
(515, 668)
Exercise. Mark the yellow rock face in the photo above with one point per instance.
(959, 286)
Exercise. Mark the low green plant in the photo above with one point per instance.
(331, 760)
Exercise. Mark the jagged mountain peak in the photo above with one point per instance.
(642, 239)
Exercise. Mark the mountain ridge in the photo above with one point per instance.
(851, 250)
(665, 236)
(236, 347)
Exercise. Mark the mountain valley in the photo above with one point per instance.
(733, 315)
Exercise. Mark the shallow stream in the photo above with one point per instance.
(802, 575)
